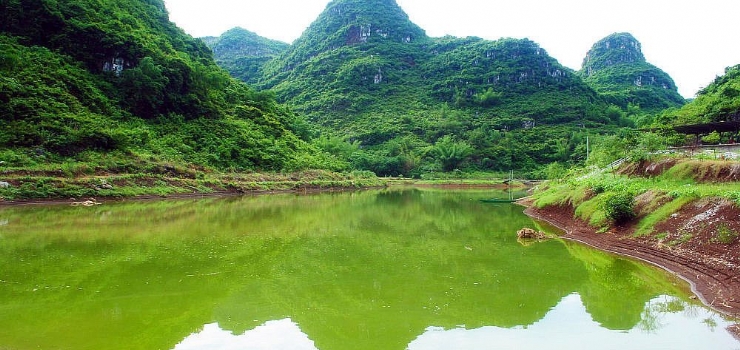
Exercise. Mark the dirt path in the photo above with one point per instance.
(713, 273)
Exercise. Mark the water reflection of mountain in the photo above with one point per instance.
(666, 322)
(360, 270)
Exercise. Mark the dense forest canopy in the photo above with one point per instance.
(372, 80)
(82, 76)
(363, 88)
(243, 53)
(718, 102)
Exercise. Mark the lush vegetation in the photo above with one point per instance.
(629, 179)
(116, 88)
(243, 53)
(605, 192)
(85, 81)
(718, 102)
(605, 197)
(409, 102)
(617, 69)
(387, 98)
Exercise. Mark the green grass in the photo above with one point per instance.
(647, 224)
(561, 194)
(162, 180)
(685, 237)
(591, 212)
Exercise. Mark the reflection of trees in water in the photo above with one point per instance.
(657, 309)
(651, 320)
(672, 305)
(692, 311)
(371, 269)
(619, 289)
(710, 322)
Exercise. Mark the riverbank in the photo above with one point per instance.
(712, 269)
(23, 186)
(34, 188)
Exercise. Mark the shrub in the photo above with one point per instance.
(712, 139)
(619, 207)
(555, 171)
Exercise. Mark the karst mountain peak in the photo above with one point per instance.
(617, 68)
(360, 21)
(615, 49)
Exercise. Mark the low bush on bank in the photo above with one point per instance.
(619, 207)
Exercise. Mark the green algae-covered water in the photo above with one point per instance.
(389, 269)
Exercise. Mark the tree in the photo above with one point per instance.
(712, 138)
(143, 88)
(489, 98)
(450, 153)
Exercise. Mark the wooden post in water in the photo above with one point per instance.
(511, 178)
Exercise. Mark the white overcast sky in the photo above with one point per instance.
(692, 40)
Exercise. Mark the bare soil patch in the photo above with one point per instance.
(647, 168)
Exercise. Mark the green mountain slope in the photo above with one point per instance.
(243, 53)
(80, 77)
(359, 55)
(365, 73)
(507, 78)
(718, 102)
(617, 69)
(347, 58)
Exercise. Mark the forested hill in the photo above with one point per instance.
(616, 68)
(718, 102)
(410, 104)
(243, 53)
(116, 82)
(366, 57)
(86, 79)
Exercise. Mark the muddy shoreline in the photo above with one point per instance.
(713, 278)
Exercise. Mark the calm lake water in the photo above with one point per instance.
(390, 269)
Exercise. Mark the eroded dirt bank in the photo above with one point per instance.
(690, 244)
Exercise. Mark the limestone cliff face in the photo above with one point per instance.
(616, 67)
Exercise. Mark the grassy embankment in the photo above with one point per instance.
(641, 194)
(115, 177)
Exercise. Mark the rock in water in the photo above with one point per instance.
(528, 233)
